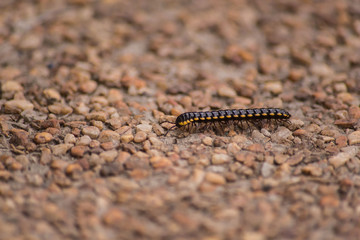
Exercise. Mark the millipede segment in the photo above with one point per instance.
(234, 115)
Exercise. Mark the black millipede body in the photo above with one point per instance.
(252, 115)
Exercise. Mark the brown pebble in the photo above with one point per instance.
(215, 178)
(73, 167)
(109, 156)
(312, 170)
(19, 137)
(60, 149)
(43, 137)
(78, 151)
(140, 137)
(107, 145)
(88, 86)
(108, 135)
(17, 106)
(341, 141)
(354, 137)
(122, 157)
(60, 109)
(113, 217)
(160, 162)
(52, 94)
(295, 159)
(219, 158)
(126, 138)
(354, 112)
(91, 131)
(208, 141)
(97, 115)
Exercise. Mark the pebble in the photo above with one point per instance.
(341, 141)
(43, 137)
(61, 149)
(140, 137)
(208, 141)
(354, 137)
(15, 166)
(113, 216)
(312, 170)
(97, 115)
(341, 158)
(78, 151)
(11, 86)
(72, 168)
(114, 95)
(233, 148)
(282, 135)
(126, 138)
(226, 91)
(51, 93)
(109, 156)
(84, 141)
(267, 169)
(19, 137)
(354, 112)
(144, 128)
(91, 131)
(160, 162)
(108, 136)
(218, 159)
(215, 178)
(60, 109)
(345, 97)
(275, 87)
(106, 145)
(17, 106)
(88, 86)
(295, 159)
(69, 138)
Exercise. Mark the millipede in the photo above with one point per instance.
(234, 116)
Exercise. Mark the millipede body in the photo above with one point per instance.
(234, 115)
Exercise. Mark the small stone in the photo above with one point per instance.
(342, 157)
(140, 137)
(19, 137)
(208, 141)
(113, 217)
(60, 109)
(108, 136)
(82, 109)
(341, 141)
(267, 169)
(280, 158)
(88, 86)
(354, 137)
(11, 86)
(58, 164)
(300, 132)
(97, 115)
(106, 145)
(215, 178)
(17, 106)
(275, 87)
(218, 159)
(226, 91)
(312, 170)
(69, 138)
(109, 156)
(354, 112)
(296, 159)
(43, 137)
(126, 138)
(160, 162)
(15, 166)
(91, 131)
(144, 128)
(78, 151)
(114, 95)
(345, 97)
(51, 93)
(73, 167)
(282, 135)
(84, 141)
(122, 157)
(61, 149)
(111, 169)
(248, 235)
(321, 70)
(268, 64)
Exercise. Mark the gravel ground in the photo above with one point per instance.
(86, 86)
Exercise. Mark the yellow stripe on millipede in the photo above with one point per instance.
(215, 118)
(221, 117)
